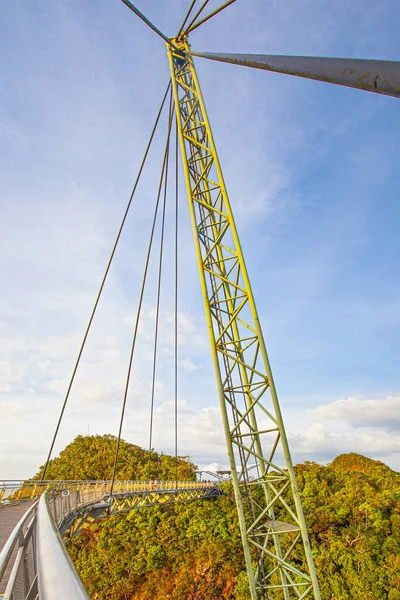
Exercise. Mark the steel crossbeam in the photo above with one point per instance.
(250, 409)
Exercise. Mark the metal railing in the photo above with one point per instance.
(22, 582)
(56, 574)
(42, 568)
(30, 489)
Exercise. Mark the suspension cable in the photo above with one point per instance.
(140, 308)
(160, 264)
(212, 14)
(202, 7)
(186, 18)
(176, 308)
(149, 24)
(104, 280)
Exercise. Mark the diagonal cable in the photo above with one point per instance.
(160, 265)
(176, 306)
(149, 24)
(212, 14)
(202, 7)
(128, 376)
(104, 280)
(186, 18)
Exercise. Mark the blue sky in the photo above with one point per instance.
(313, 176)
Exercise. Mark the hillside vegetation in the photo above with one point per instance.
(193, 551)
(92, 457)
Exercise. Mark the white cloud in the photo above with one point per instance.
(191, 328)
(200, 430)
(189, 365)
(167, 408)
(37, 348)
(71, 147)
(383, 413)
(88, 391)
(318, 439)
(9, 410)
(11, 375)
(213, 467)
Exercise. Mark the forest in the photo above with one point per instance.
(192, 551)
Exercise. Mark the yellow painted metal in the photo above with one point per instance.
(33, 489)
(88, 505)
(273, 530)
(74, 505)
(16, 491)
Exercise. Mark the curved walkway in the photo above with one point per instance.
(9, 517)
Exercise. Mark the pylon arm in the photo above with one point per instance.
(379, 76)
(267, 499)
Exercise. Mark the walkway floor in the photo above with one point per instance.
(9, 517)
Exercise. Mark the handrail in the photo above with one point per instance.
(42, 567)
(17, 490)
(9, 546)
(57, 577)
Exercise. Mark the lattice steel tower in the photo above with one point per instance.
(268, 502)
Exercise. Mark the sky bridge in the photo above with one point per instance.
(39, 517)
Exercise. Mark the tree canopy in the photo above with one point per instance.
(92, 457)
(192, 551)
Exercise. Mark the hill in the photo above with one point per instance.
(92, 457)
(357, 462)
(193, 551)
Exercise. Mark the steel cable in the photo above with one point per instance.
(212, 14)
(160, 265)
(139, 309)
(186, 18)
(104, 280)
(143, 18)
(202, 7)
(176, 307)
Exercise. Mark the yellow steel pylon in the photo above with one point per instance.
(269, 507)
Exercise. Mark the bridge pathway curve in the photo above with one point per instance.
(9, 517)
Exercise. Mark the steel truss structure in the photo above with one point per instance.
(75, 520)
(74, 505)
(274, 535)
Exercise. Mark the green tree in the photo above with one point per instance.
(92, 457)
(193, 551)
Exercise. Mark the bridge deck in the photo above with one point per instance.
(9, 517)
